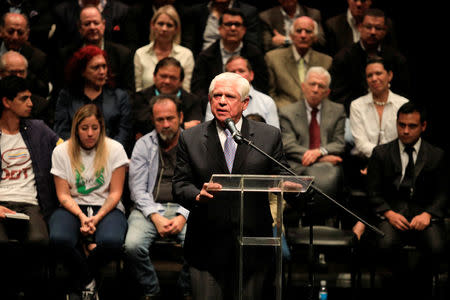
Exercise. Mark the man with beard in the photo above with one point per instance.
(156, 213)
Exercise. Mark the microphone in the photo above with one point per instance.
(237, 137)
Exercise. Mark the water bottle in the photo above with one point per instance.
(323, 292)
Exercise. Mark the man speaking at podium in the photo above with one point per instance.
(211, 247)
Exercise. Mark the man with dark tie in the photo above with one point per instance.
(211, 237)
(313, 134)
(407, 186)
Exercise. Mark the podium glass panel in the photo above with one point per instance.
(275, 184)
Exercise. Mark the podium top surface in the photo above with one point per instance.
(260, 183)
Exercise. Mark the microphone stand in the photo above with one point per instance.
(240, 140)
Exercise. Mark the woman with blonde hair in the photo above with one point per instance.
(165, 36)
(89, 173)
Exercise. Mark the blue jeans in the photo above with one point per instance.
(64, 229)
(140, 236)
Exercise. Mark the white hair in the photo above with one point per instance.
(320, 71)
(243, 85)
(315, 29)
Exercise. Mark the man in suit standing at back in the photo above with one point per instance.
(211, 236)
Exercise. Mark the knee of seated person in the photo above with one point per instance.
(133, 248)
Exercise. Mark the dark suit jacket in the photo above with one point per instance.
(339, 34)
(38, 69)
(209, 64)
(66, 15)
(120, 60)
(190, 106)
(349, 76)
(430, 183)
(212, 227)
(196, 18)
(273, 19)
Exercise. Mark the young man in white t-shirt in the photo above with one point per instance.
(26, 188)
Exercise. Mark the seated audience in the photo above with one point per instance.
(259, 103)
(211, 61)
(287, 66)
(202, 27)
(348, 68)
(66, 15)
(90, 225)
(88, 81)
(408, 190)
(136, 30)
(313, 137)
(156, 214)
(373, 116)
(26, 187)
(14, 63)
(91, 28)
(165, 36)
(341, 31)
(168, 78)
(277, 21)
(14, 34)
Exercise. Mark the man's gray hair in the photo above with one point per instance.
(5, 55)
(243, 85)
(319, 70)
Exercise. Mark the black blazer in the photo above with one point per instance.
(212, 227)
(430, 184)
(120, 59)
(209, 64)
(348, 71)
(195, 19)
(141, 115)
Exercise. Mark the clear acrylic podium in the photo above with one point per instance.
(276, 184)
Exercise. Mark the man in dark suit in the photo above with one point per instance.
(92, 27)
(211, 237)
(14, 33)
(348, 67)
(168, 78)
(66, 16)
(342, 30)
(211, 61)
(200, 23)
(409, 193)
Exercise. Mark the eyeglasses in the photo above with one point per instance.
(230, 24)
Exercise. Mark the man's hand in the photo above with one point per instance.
(162, 224)
(420, 222)
(397, 220)
(204, 196)
(176, 224)
(310, 157)
(278, 39)
(334, 159)
(5, 210)
(190, 124)
(358, 229)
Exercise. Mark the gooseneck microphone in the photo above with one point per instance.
(229, 124)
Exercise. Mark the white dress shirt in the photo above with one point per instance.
(367, 131)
